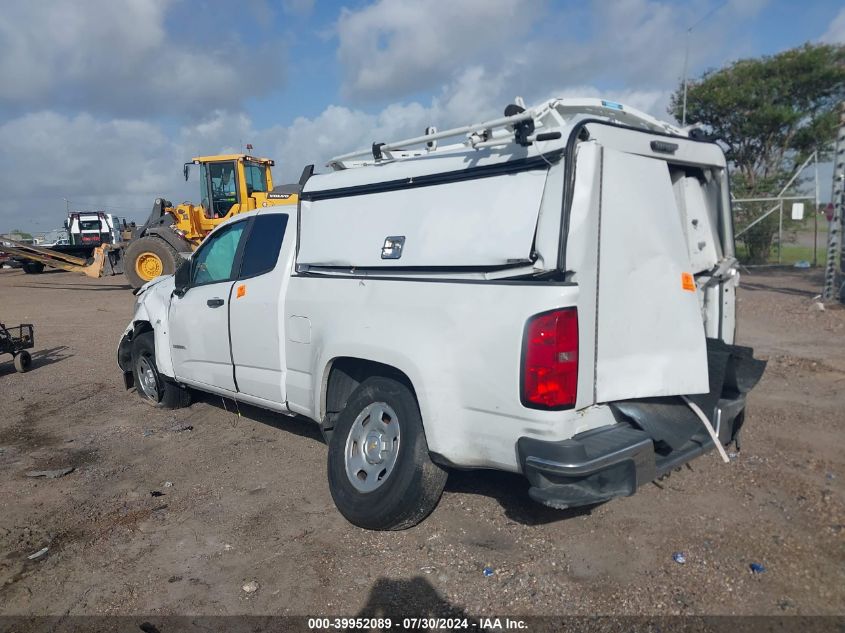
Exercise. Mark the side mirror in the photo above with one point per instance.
(185, 171)
(182, 279)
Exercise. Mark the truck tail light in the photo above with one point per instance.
(550, 360)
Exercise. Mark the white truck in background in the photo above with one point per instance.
(552, 295)
(92, 228)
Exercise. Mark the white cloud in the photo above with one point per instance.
(118, 58)
(395, 47)
(835, 33)
(49, 156)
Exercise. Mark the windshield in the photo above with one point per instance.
(89, 225)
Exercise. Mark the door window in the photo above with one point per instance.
(215, 261)
(263, 244)
(220, 179)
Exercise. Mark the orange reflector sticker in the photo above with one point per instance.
(241, 291)
(687, 282)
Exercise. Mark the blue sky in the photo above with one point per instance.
(104, 99)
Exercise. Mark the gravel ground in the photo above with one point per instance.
(244, 496)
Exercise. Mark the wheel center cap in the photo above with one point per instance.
(373, 448)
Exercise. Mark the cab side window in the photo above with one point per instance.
(261, 251)
(216, 258)
(256, 178)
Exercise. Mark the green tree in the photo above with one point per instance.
(23, 234)
(769, 114)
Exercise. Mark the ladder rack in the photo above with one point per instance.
(543, 122)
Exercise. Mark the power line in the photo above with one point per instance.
(686, 57)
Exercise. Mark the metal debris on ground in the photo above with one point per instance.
(147, 432)
(251, 587)
(156, 493)
(51, 474)
(757, 568)
(181, 426)
(679, 557)
(488, 571)
(168, 484)
(39, 554)
(427, 569)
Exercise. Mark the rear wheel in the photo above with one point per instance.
(23, 361)
(380, 473)
(154, 388)
(33, 268)
(147, 258)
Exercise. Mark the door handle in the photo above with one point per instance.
(214, 303)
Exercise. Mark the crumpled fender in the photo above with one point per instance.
(152, 306)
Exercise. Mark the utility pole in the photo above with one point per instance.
(686, 63)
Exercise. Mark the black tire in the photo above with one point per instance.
(152, 387)
(411, 489)
(149, 244)
(23, 361)
(33, 268)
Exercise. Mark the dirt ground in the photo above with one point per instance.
(244, 495)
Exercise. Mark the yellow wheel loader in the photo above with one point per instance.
(229, 184)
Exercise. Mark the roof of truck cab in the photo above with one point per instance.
(248, 214)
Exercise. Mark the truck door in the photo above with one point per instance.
(199, 320)
(256, 315)
(650, 332)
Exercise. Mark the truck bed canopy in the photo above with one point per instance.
(481, 216)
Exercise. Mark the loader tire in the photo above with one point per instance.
(33, 268)
(147, 258)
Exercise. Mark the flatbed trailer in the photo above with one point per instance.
(102, 260)
(32, 266)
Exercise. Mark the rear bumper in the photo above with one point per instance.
(612, 461)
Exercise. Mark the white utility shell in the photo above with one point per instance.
(629, 224)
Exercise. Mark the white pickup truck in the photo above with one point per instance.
(553, 294)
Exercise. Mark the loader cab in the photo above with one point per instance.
(231, 184)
